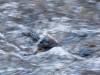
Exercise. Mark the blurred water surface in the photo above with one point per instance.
(74, 23)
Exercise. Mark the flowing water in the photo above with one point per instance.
(74, 23)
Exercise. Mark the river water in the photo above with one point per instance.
(74, 23)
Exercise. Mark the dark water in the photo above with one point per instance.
(74, 23)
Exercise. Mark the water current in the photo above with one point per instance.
(74, 23)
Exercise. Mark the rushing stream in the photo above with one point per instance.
(74, 23)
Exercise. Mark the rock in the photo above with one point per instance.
(50, 57)
(57, 51)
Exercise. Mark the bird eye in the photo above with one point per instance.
(41, 42)
(40, 49)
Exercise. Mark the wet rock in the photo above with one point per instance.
(56, 53)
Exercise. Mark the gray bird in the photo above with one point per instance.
(45, 44)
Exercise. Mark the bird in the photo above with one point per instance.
(44, 44)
